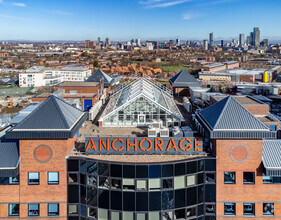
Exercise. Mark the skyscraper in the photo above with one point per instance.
(211, 39)
(222, 43)
(252, 38)
(98, 40)
(256, 37)
(248, 41)
(241, 40)
(205, 44)
(178, 41)
(138, 41)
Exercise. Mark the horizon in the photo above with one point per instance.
(145, 19)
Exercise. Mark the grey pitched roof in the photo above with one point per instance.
(9, 154)
(100, 76)
(271, 157)
(53, 119)
(184, 79)
(53, 113)
(229, 114)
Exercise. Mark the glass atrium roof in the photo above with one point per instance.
(148, 88)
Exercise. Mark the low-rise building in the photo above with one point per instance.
(231, 64)
(40, 76)
(214, 67)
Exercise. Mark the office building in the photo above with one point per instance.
(248, 41)
(211, 39)
(90, 44)
(38, 76)
(252, 37)
(222, 44)
(205, 44)
(241, 40)
(256, 37)
(138, 41)
(70, 74)
(219, 162)
(178, 42)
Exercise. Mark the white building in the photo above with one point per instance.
(71, 74)
(149, 45)
(34, 76)
(38, 76)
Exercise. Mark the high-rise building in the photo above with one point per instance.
(241, 40)
(211, 39)
(256, 37)
(178, 41)
(205, 44)
(138, 41)
(222, 44)
(99, 40)
(265, 42)
(252, 38)
(107, 42)
(248, 41)
(87, 43)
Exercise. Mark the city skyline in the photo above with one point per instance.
(144, 19)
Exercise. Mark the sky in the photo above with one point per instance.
(122, 20)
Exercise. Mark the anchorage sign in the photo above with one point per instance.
(143, 145)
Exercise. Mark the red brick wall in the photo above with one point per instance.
(239, 192)
(181, 91)
(42, 193)
(258, 109)
(94, 100)
(247, 78)
(82, 89)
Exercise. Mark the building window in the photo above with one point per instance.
(14, 209)
(72, 178)
(229, 177)
(249, 209)
(268, 208)
(14, 180)
(210, 208)
(72, 209)
(229, 208)
(210, 178)
(33, 178)
(249, 177)
(33, 210)
(53, 178)
(53, 209)
(271, 179)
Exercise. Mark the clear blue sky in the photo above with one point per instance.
(145, 19)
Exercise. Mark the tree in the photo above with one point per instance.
(96, 63)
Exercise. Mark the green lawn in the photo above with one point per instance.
(174, 68)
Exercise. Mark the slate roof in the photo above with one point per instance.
(9, 154)
(54, 118)
(271, 157)
(53, 113)
(229, 114)
(100, 76)
(184, 79)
